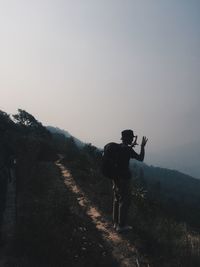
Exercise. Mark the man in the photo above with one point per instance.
(121, 183)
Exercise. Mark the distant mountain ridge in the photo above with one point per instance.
(179, 193)
(78, 142)
(185, 158)
(169, 179)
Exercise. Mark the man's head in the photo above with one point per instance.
(127, 136)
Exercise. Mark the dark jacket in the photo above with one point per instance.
(125, 153)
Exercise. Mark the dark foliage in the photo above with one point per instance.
(24, 141)
(177, 194)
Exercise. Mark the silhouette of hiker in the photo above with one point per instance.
(121, 183)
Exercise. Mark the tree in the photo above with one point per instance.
(25, 119)
(29, 123)
(5, 121)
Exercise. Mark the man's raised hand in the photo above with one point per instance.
(144, 141)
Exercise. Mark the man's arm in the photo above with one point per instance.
(140, 157)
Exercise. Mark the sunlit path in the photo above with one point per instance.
(125, 253)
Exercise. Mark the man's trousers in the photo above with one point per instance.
(121, 201)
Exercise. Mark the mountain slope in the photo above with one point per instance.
(177, 192)
(52, 129)
(183, 158)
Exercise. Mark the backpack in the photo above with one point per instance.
(110, 160)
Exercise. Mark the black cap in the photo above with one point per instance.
(127, 134)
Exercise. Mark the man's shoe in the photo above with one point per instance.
(125, 228)
(115, 226)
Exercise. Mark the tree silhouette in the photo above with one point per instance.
(27, 122)
(25, 119)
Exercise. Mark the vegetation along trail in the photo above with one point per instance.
(9, 221)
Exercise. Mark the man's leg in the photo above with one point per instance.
(115, 205)
(124, 201)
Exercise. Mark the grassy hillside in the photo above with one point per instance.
(179, 194)
(53, 229)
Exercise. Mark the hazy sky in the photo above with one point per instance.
(96, 67)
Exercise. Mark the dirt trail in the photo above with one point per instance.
(124, 252)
